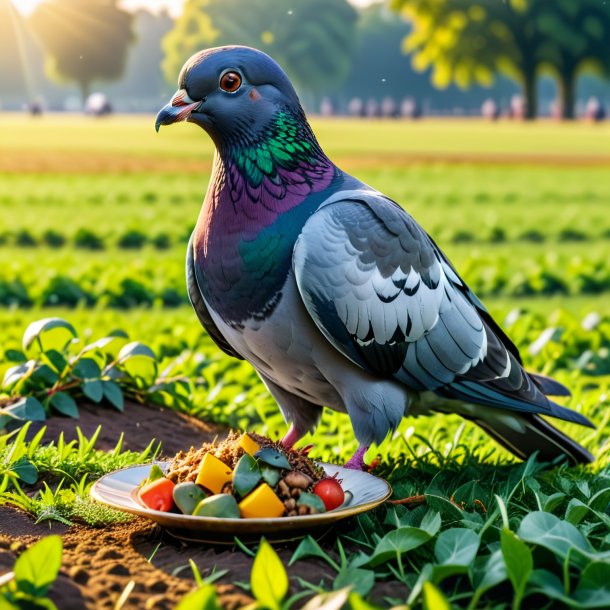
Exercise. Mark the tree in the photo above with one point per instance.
(85, 40)
(312, 39)
(466, 41)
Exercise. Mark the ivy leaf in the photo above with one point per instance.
(268, 579)
(64, 404)
(36, 568)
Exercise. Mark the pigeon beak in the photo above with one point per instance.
(179, 109)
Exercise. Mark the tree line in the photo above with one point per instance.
(327, 46)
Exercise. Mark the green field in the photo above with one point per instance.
(95, 215)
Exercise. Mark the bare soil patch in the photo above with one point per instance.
(98, 563)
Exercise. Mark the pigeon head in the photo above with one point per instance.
(232, 92)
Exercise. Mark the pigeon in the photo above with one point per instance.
(330, 289)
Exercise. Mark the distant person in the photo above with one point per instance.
(409, 109)
(326, 107)
(518, 107)
(98, 104)
(490, 110)
(35, 108)
(389, 108)
(371, 109)
(594, 110)
(355, 107)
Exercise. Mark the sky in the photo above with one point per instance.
(173, 6)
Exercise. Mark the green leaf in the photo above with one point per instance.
(397, 542)
(49, 333)
(86, 368)
(593, 589)
(27, 409)
(246, 475)
(114, 395)
(487, 572)
(547, 530)
(434, 598)
(308, 547)
(25, 470)
(268, 579)
(56, 360)
(36, 568)
(64, 404)
(138, 360)
(17, 373)
(457, 546)
(200, 599)
(518, 560)
(361, 581)
(444, 506)
(576, 511)
(93, 390)
(14, 355)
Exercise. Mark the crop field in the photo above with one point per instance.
(94, 220)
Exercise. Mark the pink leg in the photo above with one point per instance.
(292, 436)
(356, 462)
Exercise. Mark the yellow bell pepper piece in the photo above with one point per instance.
(213, 473)
(249, 445)
(261, 503)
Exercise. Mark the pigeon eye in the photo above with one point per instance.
(230, 82)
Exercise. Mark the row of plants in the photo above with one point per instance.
(151, 282)
(87, 239)
(135, 239)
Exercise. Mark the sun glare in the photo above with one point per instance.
(25, 6)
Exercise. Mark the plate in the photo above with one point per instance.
(118, 490)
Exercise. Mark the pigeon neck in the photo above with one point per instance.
(282, 155)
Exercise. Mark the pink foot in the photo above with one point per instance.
(356, 462)
(292, 436)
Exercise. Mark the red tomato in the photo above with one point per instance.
(158, 495)
(329, 490)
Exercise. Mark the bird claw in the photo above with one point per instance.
(356, 462)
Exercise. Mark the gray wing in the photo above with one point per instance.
(386, 297)
(200, 307)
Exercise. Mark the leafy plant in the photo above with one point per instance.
(33, 575)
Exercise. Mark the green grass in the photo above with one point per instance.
(522, 210)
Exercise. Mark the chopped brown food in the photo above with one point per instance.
(301, 477)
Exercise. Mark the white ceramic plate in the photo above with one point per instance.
(118, 490)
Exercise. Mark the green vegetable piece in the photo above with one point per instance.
(270, 475)
(187, 496)
(155, 473)
(246, 475)
(272, 457)
(311, 500)
(219, 505)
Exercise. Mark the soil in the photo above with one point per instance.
(99, 563)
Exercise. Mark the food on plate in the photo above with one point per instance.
(247, 476)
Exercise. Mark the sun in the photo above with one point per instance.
(25, 7)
